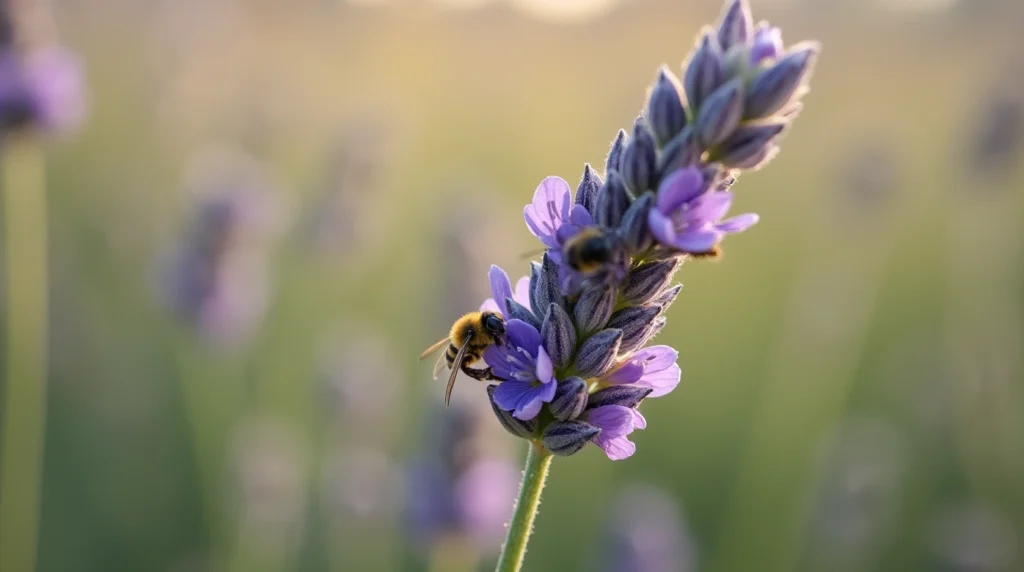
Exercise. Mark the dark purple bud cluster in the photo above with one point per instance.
(577, 364)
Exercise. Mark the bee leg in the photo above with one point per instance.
(480, 374)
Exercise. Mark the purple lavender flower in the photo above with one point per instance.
(688, 217)
(553, 218)
(44, 88)
(460, 487)
(654, 368)
(616, 422)
(524, 365)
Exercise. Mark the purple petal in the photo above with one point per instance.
(501, 287)
(545, 370)
(519, 397)
(629, 372)
(710, 207)
(614, 420)
(661, 227)
(522, 292)
(549, 208)
(490, 305)
(738, 223)
(656, 358)
(617, 448)
(547, 391)
(639, 422)
(565, 232)
(698, 241)
(680, 187)
(522, 335)
(580, 216)
(497, 359)
(661, 382)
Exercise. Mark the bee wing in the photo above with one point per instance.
(440, 344)
(440, 364)
(456, 365)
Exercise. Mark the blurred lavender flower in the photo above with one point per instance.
(461, 488)
(974, 538)
(361, 378)
(217, 278)
(600, 293)
(42, 87)
(646, 533)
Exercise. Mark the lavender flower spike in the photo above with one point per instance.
(526, 368)
(688, 218)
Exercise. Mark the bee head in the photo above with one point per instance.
(495, 326)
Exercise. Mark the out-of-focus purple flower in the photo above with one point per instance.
(218, 277)
(501, 290)
(688, 217)
(653, 367)
(616, 423)
(460, 486)
(552, 217)
(44, 87)
(361, 380)
(526, 368)
(646, 533)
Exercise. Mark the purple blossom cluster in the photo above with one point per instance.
(43, 88)
(577, 364)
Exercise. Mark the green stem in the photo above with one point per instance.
(513, 552)
(24, 400)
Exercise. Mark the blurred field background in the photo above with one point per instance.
(853, 384)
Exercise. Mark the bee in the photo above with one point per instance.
(469, 337)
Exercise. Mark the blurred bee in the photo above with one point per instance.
(470, 336)
(590, 250)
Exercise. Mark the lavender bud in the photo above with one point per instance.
(564, 438)
(666, 298)
(546, 291)
(535, 270)
(597, 353)
(737, 24)
(656, 327)
(644, 283)
(517, 427)
(570, 399)
(767, 44)
(586, 193)
(614, 160)
(594, 308)
(636, 323)
(559, 336)
(519, 312)
(612, 200)
(774, 87)
(747, 143)
(639, 159)
(634, 230)
(624, 395)
(682, 151)
(704, 72)
(721, 114)
(665, 112)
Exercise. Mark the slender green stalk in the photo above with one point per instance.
(24, 400)
(513, 552)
